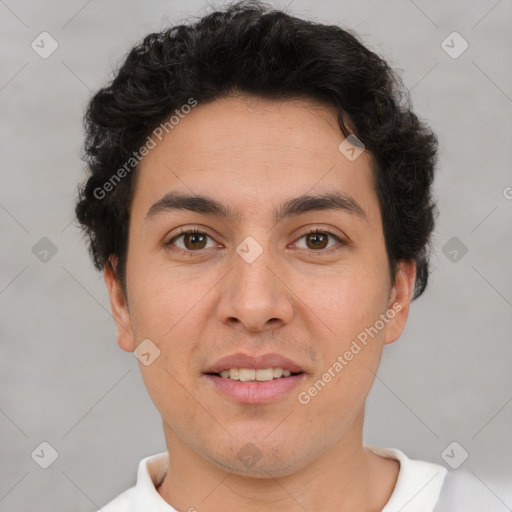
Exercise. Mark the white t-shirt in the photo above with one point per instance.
(421, 487)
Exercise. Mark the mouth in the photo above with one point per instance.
(250, 379)
(255, 375)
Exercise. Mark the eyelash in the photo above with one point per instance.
(309, 252)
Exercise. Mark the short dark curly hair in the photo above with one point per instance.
(252, 48)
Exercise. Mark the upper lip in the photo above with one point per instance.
(241, 360)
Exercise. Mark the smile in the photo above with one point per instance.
(252, 390)
(250, 374)
(254, 379)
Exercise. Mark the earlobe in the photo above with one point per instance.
(119, 308)
(400, 300)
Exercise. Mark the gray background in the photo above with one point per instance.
(63, 378)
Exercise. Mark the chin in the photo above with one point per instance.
(260, 458)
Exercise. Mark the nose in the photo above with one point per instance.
(255, 296)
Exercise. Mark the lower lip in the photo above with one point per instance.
(256, 392)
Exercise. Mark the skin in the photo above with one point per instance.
(253, 154)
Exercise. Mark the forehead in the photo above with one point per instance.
(247, 151)
(248, 126)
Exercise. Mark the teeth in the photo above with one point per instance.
(266, 374)
(248, 374)
(277, 372)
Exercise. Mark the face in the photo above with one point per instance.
(254, 288)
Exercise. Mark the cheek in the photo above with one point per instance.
(173, 397)
(165, 299)
(351, 301)
(169, 318)
(352, 346)
(336, 395)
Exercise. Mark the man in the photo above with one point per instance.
(259, 200)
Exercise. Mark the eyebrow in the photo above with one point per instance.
(289, 208)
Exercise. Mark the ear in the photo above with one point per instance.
(119, 307)
(400, 300)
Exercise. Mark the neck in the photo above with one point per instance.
(346, 477)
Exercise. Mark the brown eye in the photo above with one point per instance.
(193, 240)
(318, 240)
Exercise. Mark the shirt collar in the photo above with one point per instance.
(418, 485)
(417, 488)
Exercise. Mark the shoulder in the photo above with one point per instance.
(426, 486)
(418, 483)
(463, 491)
(122, 503)
(143, 495)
